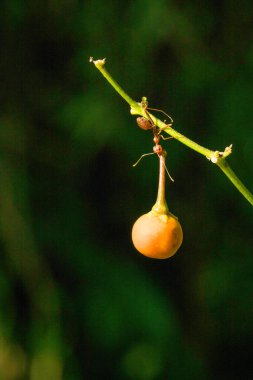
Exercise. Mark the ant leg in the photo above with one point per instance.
(150, 119)
(168, 173)
(152, 123)
(165, 138)
(155, 109)
(146, 154)
(166, 126)
(162, 129)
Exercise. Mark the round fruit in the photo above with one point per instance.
(157, 235)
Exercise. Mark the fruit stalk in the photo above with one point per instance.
(160, 207)
(158, 234)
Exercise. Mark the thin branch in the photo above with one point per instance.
(216, 157)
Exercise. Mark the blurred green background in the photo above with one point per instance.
(77, 300)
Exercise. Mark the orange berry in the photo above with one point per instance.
(157, 235)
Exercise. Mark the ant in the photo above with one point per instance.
(148, 124)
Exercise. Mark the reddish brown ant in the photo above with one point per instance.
(157, 149)
(147, 124)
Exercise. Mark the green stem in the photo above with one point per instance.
(215, 157)
(100, 66)
(223, 165)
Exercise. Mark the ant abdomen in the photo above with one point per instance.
(144, 123)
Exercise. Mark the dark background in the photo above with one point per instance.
(77, 300)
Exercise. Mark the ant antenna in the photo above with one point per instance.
(158, 110)
(168, 173)
(144, 104)
(144, 155)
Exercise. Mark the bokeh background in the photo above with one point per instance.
(76, 300)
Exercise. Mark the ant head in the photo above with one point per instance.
(158, 149)
(144, 123)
